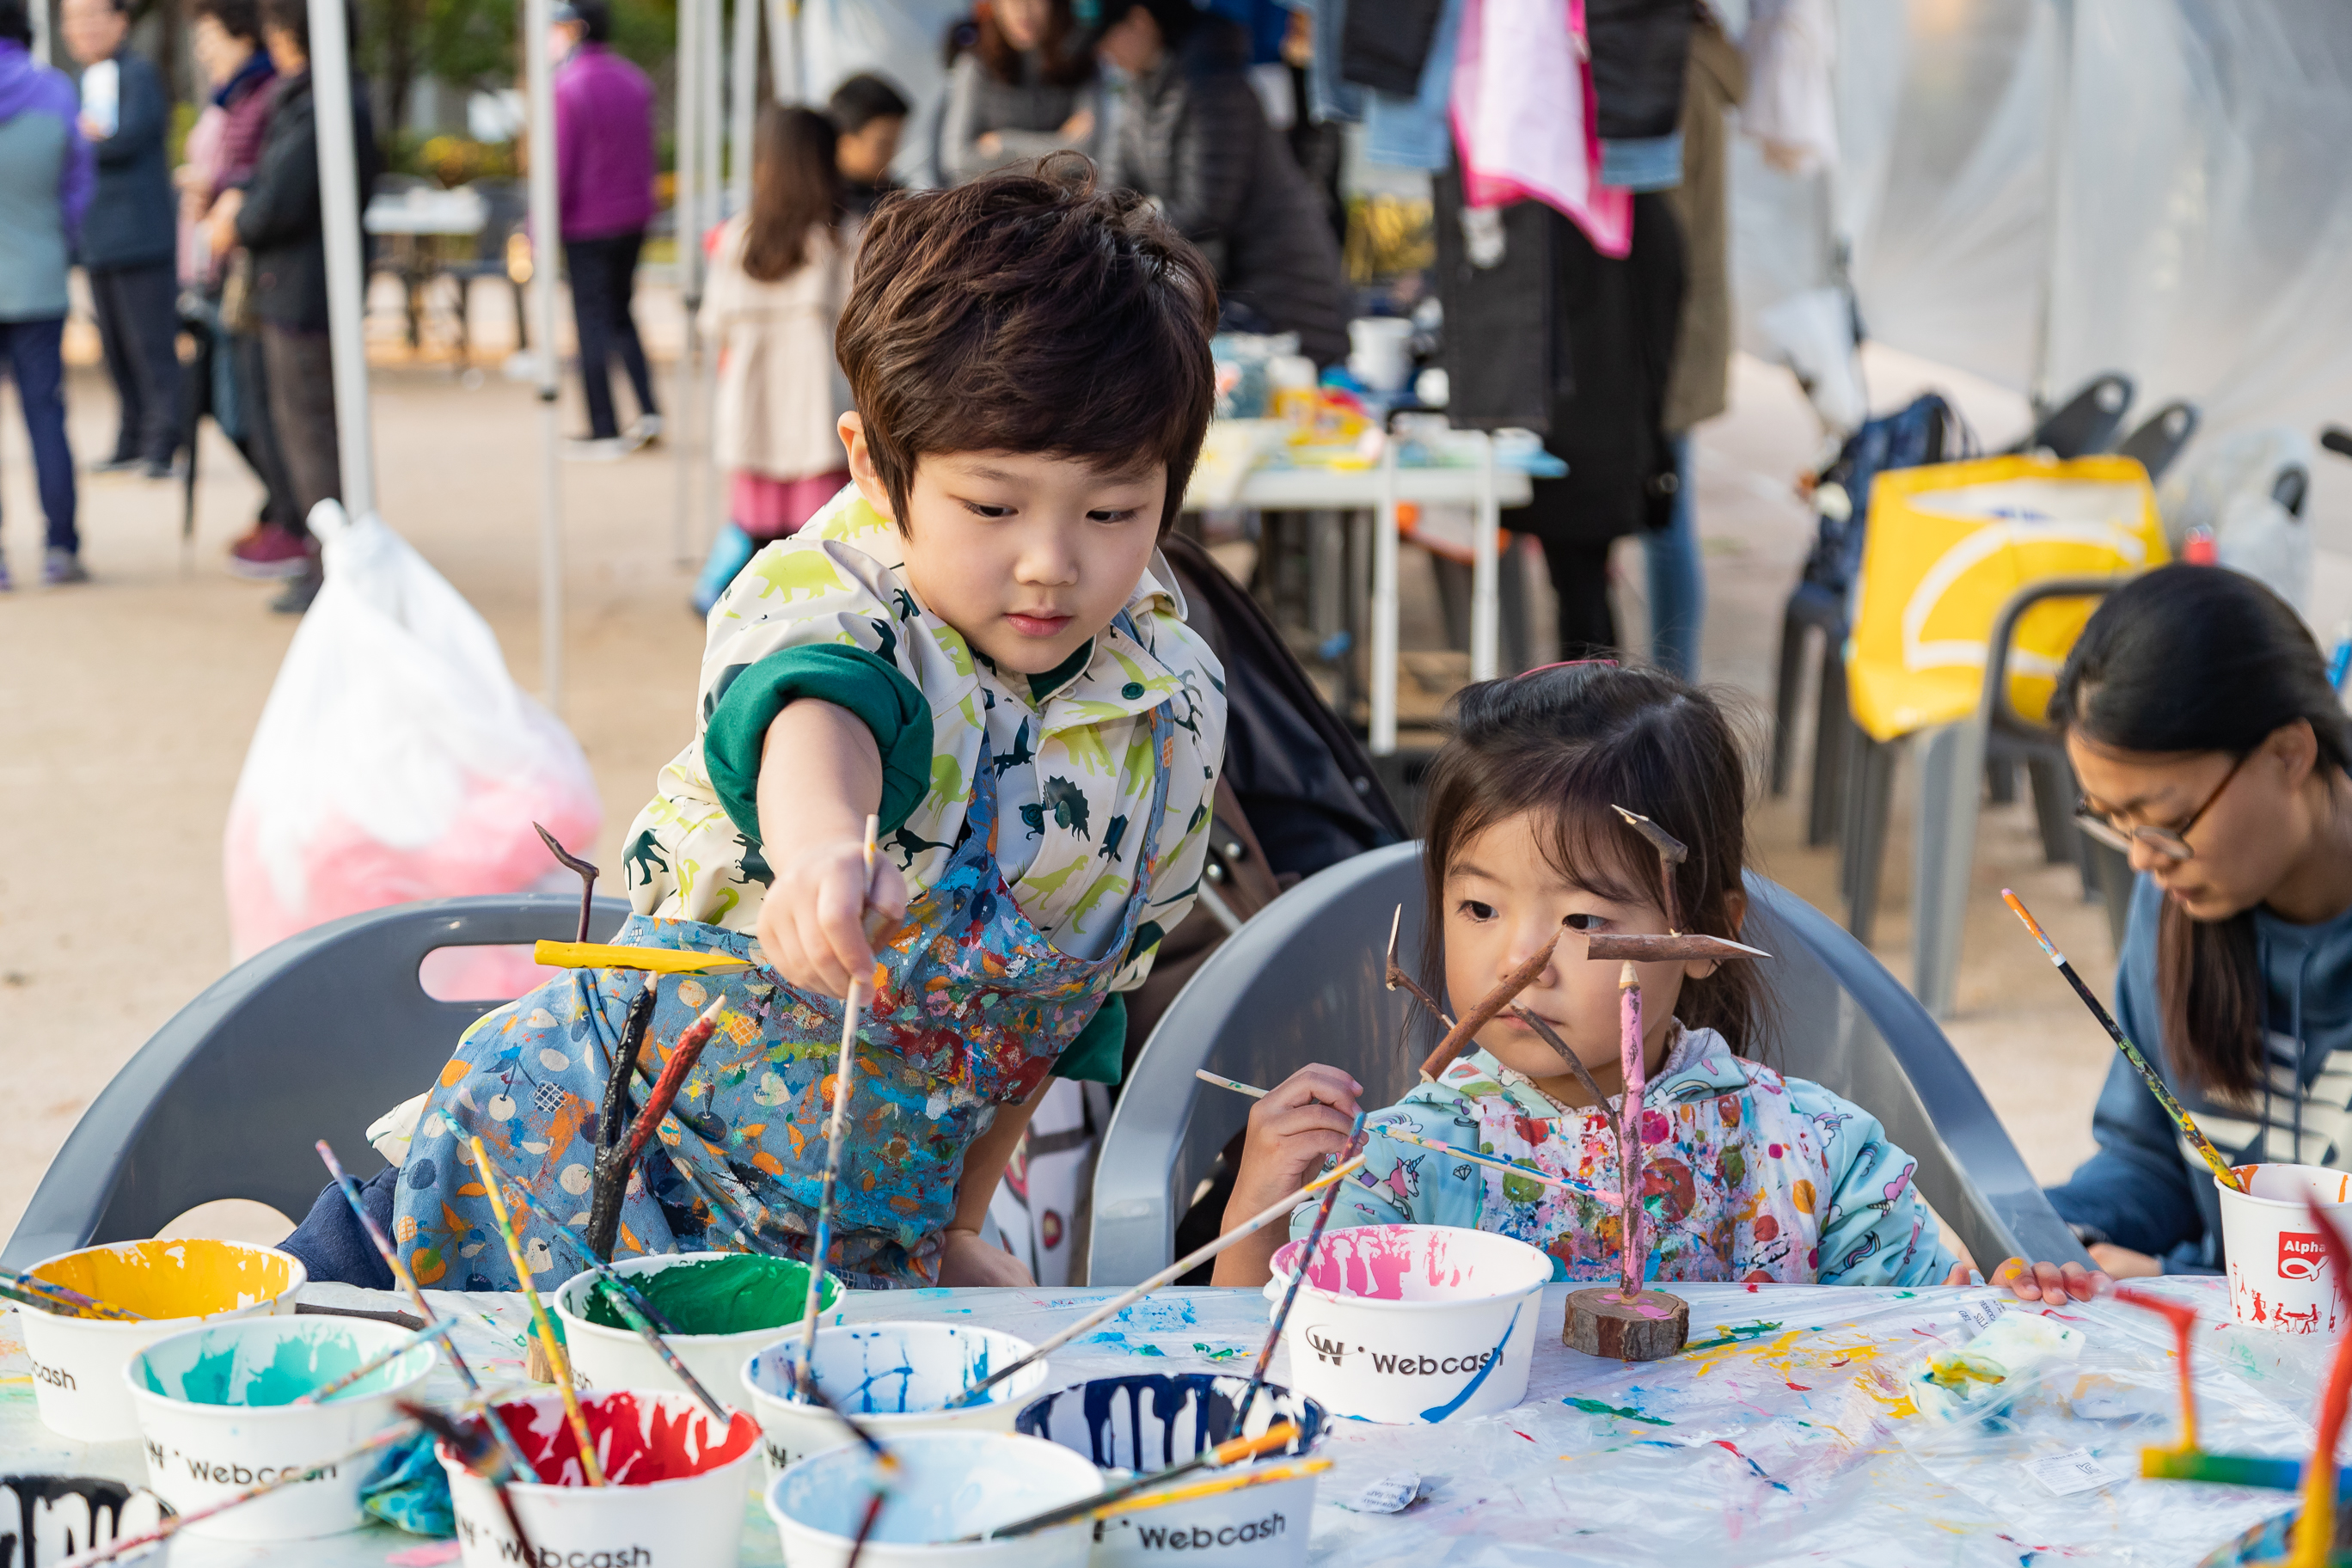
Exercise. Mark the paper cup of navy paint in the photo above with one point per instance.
(52, 1517)
(1412, 1323)
(217, 1415)
(724, 1305)
(1150, 1421)
(675, 1483)
(176, 1284)
(2280, 1278)
(895, 1378)
(949, 1485)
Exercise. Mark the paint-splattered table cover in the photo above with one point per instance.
(1781, 1436)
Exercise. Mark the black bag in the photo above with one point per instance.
(1927, 430)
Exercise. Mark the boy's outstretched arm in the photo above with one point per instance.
(820, 778)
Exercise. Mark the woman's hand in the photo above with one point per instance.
(989, 144)
(1078, 127)
(966, 1259)
(2042, 1281)
(1302, 1120)
(2123, 1263)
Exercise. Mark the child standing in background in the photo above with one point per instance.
(778, 275)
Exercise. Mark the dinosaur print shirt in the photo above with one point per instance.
(1075, 768)
(1747, 1175)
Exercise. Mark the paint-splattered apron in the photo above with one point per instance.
(972, 1006)
(1732, 1183)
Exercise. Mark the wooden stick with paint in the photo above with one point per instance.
(608, 1185)
(1297, 1278)
(589, 1470)
(1234, 1451)
(1460, 1037)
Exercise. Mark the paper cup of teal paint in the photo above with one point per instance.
(1412, 1323)
(725, 1305)
(217, 1415)
(1148, 1421)
(675, 1483)
(893, 1378)
(948, 1485)
(176, 1284)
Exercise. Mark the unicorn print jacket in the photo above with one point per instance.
(1747, 1175)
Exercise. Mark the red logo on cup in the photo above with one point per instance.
(2302, 1254)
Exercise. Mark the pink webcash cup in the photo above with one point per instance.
(2280, 1278)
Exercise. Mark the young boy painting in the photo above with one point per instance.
(976, 641)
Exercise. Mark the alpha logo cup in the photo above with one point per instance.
(2301, 1255)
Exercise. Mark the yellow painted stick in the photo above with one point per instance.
(653, 960)
(588, 1467)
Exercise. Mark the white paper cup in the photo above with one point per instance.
(217, 1415)
(895, 1378)
(1151, 1420)
(78, 1362)
(54, 1517)
(1412, 1323)
(606, 1358)
(948, 1485)
(2280, 1278)
(674, 1497)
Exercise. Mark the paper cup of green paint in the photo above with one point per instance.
(1412, 1323)
(2280, 1276)
(893, 1378)
(78, 1362)
(217, 1415)
(674, 1487)
(724, 1305)
(948, 1485)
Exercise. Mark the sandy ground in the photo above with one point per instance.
(126, 706)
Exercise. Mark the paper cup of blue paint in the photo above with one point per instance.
(895, 1378)
(1150, 1421)
(948, 1485)
(217, 1415)
(724, 1305)
(173, 1286)
(1412, 1323)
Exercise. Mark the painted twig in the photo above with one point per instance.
(609, 1184)
(1395, 975)
(1496, 1163)
(2313, 1544)
(1636, 1250)
(1459, 1038)
(653, 960)
(407, 1282)
(1236, 1085)
(593, 1472)
(1550, 1037)
(1678, 944)
(2223, 1171)
(62, 1301)
(378, 1362)
(1232, 1452)
(1672, 853)
(682, 1058)
(845, 1073)
(1297, 1278)
(1184, 1265)
(588, 875)
(2183, 1319)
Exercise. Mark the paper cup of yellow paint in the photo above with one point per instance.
(78, 1361)
(676, 1486)
(217, 1415)
(1412, 1323)
(893, 1378)
(2280, 1277)
(724, 1305)
(948, 1485)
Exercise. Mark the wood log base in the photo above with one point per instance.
(1651, 1326)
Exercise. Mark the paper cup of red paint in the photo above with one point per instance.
(675, 1484)
(948, 1485)
(1153, 1420)
(2280, 1278)
(217, 1415)
(724, 1305)
(52, 1517)
(78, 1362)
(895, 1378)
(1412, 1323)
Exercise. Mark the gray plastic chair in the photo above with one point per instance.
(313, 1038)
(1301, 983)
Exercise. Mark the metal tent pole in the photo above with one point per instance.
(1383, 736)
(1485, 587)
(40, 20)
(711, 142)
(685, 219)
(784, 52)
(742, 103)
(546, 224)
(339, 211)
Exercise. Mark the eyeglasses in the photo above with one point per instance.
(2169, 842)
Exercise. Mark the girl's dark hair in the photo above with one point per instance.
(795, 187)
(240, 20)
(1067, 62)
(1572, 742)
(2199, 659)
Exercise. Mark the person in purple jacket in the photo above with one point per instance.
(46, 178)
(604, 192)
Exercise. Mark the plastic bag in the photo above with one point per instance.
(395, 759)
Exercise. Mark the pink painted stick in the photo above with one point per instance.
(1636, 1249)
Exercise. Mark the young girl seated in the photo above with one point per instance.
(1748, 1176)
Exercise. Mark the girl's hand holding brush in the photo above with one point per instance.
(1302, 1121)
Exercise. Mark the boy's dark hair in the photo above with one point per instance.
(1572, 741)
(1030, 312)
(862, 100)
(16, 22)
(239, 19)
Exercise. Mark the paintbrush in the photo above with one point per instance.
(588, 875)
(1459, 1038)
(377, 1362)
(609, 1279)
(1232, 1452)
(1236, 1085)
(588, 1467)
(610, 1182)
(654, 960)
(1259, 1476)
(406, 1281)
(398, 1433)
(1297, 1278)
(2222, 1170)
(61, 1302)
(844, 1075)
(1183, 1264)
(1497, 1162)
(472, 1454)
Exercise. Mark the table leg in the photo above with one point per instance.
(1485, 596)
(1384, 609)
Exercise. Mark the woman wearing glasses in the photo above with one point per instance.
(2211, 748)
